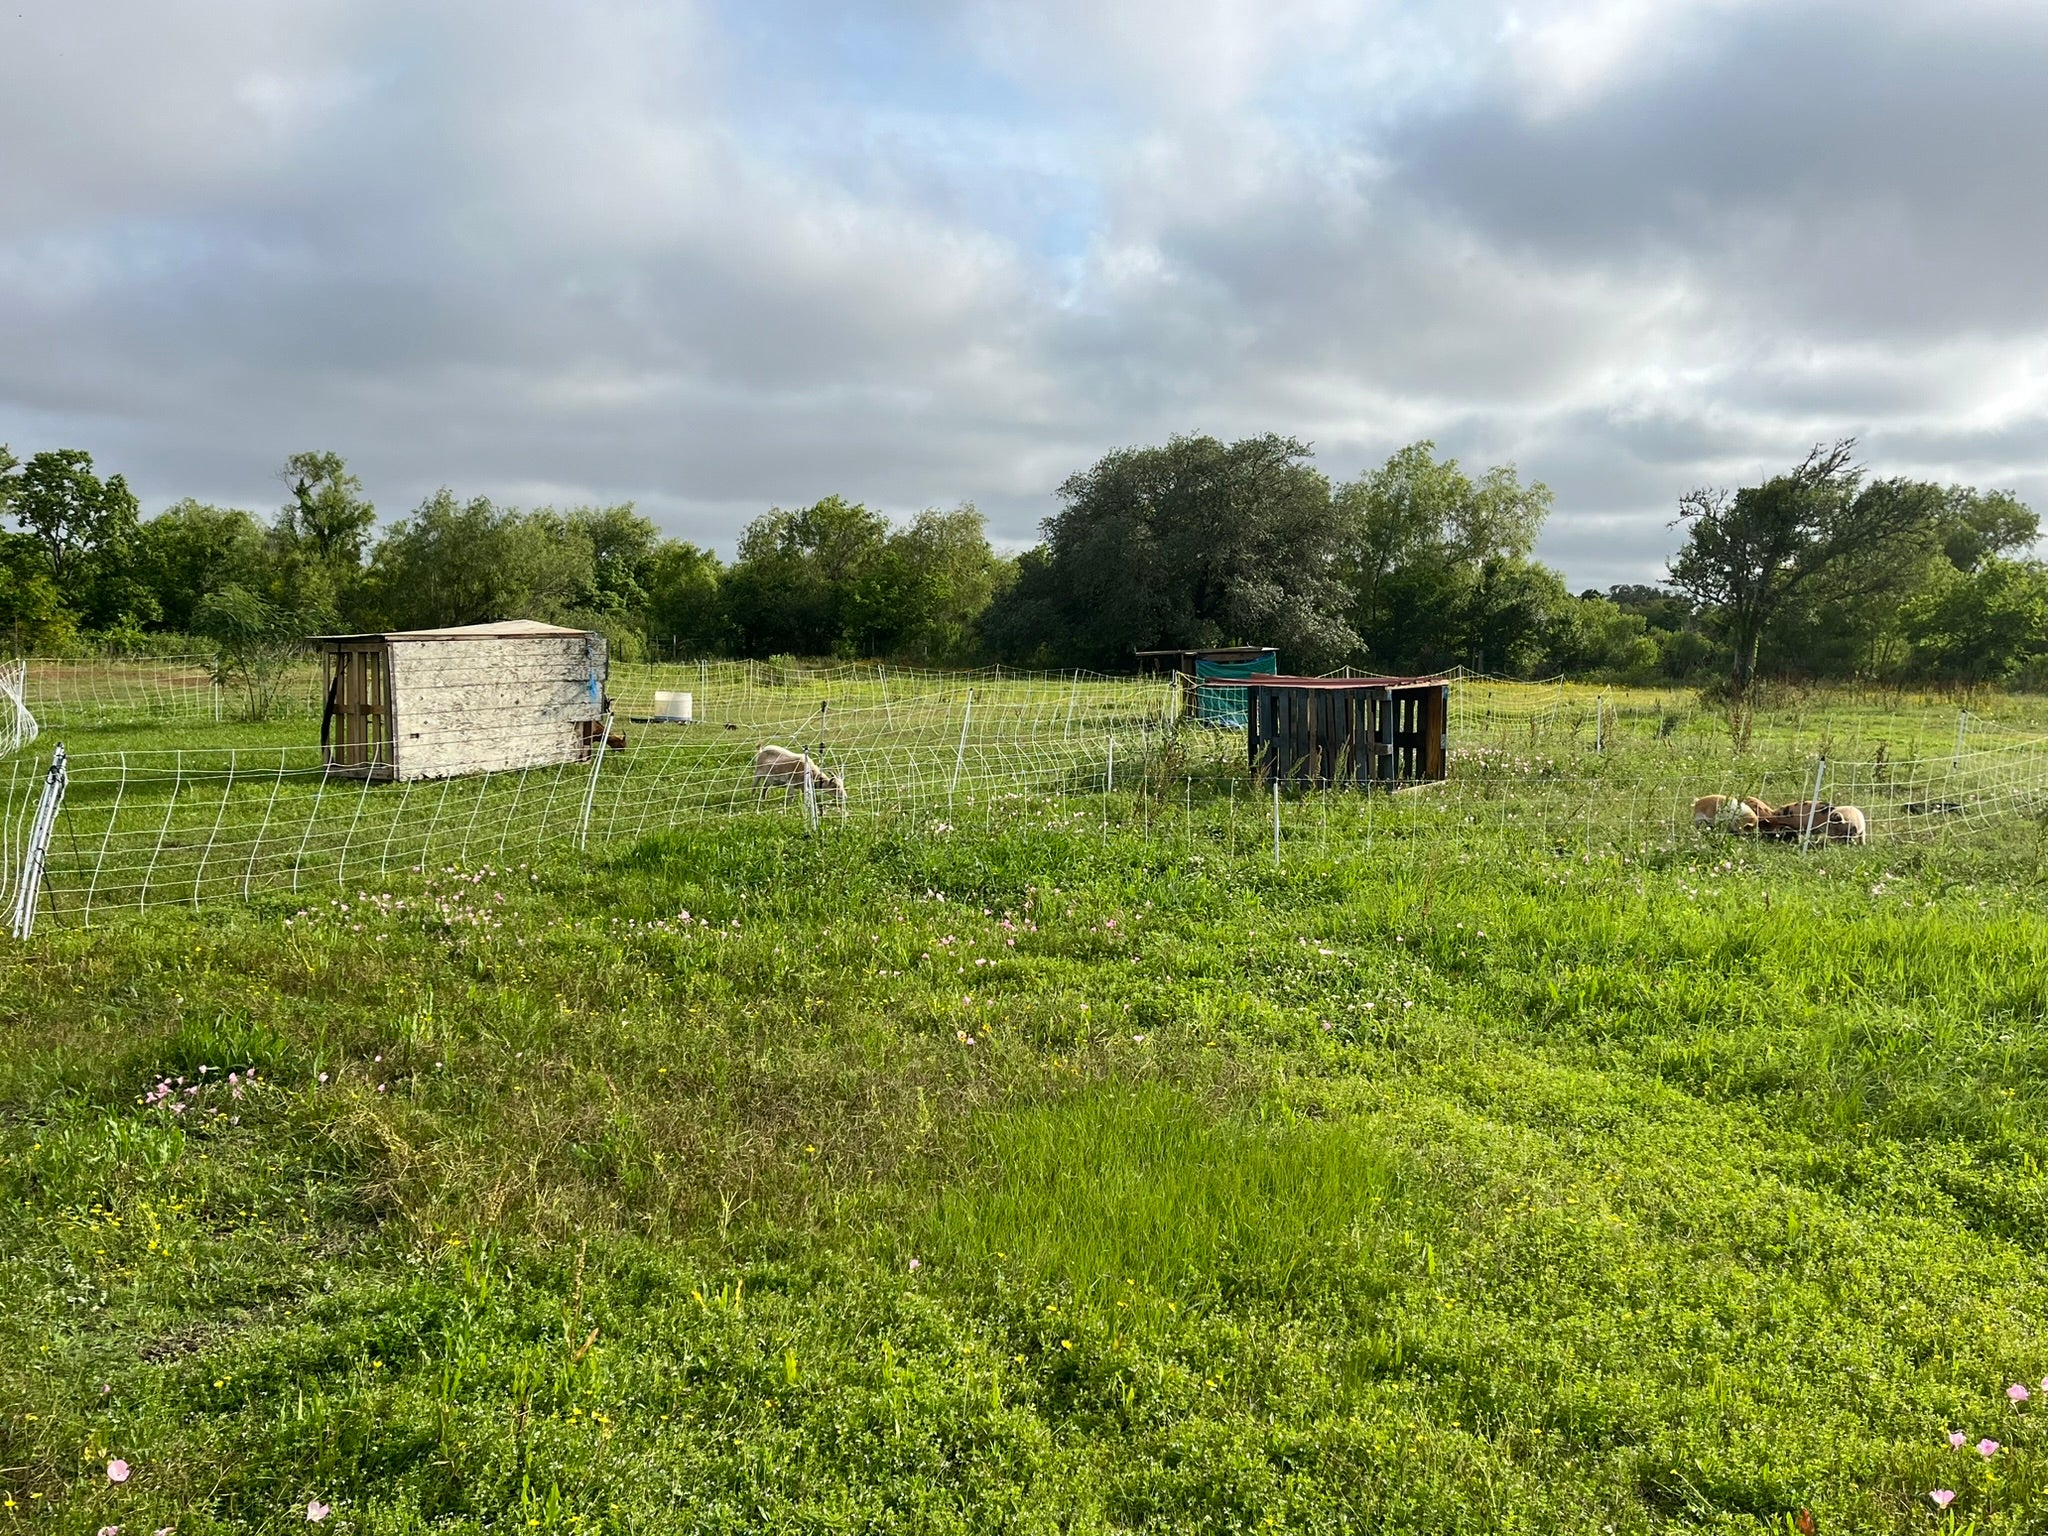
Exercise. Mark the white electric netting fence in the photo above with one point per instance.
(139, 828)
(142, 828)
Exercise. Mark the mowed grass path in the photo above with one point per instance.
(1034, 1175)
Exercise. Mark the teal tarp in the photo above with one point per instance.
(1226, 706)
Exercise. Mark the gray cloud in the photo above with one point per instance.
(714, 258)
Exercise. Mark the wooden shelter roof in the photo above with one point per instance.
(502, 629)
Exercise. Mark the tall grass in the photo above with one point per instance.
(1144, 1185)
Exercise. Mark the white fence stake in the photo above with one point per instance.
(1820, 773)
(590, 789)
(1109, 769)
(810, 799)
(960, 757)
(1072, 693)
(37, 852)
(1276, 823)
(1962, 729)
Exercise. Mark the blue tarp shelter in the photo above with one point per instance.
(1225, 707)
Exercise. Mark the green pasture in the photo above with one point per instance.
(1051, 1160)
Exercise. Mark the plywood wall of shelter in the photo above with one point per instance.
(491, 704)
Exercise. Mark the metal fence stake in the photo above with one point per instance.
(30, 888)
(1820, 773)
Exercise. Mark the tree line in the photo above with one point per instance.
(1416, 565)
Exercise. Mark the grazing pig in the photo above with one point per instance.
(1791, 821)
(779, 766)
(1723, 811)
(1835, 823)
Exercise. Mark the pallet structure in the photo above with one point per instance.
(1344, 732)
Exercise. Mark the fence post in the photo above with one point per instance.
(590, 789)
(1600, 726)
(810, 800)
(960, 756)
(1109, 770)
(1820, 772)
(1276, 822)
(888, 709)
(1072, 693)
(38, 849)
(1962, 728)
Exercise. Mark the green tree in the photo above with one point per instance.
(1749, 554)
(817, 581)
(622, 551)
(255, 645)
(469, 562)
(1661, 609)
(87, 529)
(33, 618)
(328, 513)
(190, 549)
(1438, 564)
(1195, 543)
(685, 602)
(319, 540)
(1982, 624)
(1592, 634)
(1975, 525)
(956, 575)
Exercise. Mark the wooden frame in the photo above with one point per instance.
(1318, 733)
(357, 724)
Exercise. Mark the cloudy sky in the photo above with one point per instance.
(712, 255)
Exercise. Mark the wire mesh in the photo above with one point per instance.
(1553, 762)
(18, 725)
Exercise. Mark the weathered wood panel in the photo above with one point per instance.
(487, 705)
(1324, 737)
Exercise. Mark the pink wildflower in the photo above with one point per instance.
(1987, 1448)
(1943, 1497)
(2017, 1392)
(117, 1471)
(1957, 1438)
(316, 1511)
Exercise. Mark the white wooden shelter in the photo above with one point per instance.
(482, 698)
